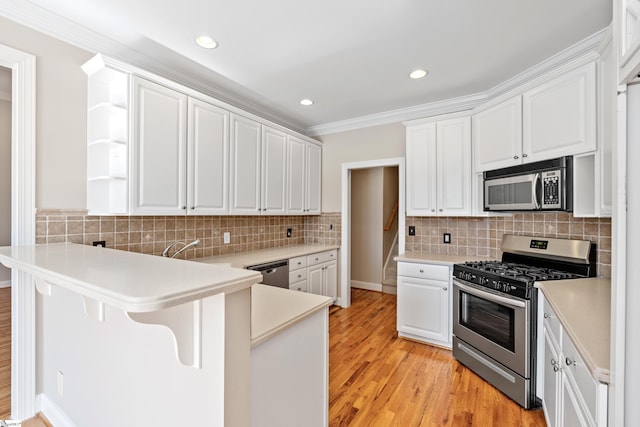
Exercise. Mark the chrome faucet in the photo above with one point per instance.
(165, 252)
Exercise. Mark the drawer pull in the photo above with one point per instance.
(444, 289)
(556, 365)
(569, 362)
(421, 271)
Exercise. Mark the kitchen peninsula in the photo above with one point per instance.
(133, 339)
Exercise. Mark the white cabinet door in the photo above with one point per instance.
(274, 171)
(313, 179)
(572, 414)
(551, 381)
(315, 279)
(497, 136)
(158, 149)
(423, 309)
(245, 173)
(421, 170)
(559, 116)
(331, 279)
(208, 150)
(296, 176)
(454, 167)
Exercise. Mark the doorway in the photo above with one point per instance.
(348, 170)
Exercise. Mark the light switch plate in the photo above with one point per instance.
(446, 238)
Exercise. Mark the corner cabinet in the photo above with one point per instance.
(158, 148)
(424, 303)
(438, 156)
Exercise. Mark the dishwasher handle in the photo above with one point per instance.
(268, 267)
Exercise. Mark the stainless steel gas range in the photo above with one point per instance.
(495, 308)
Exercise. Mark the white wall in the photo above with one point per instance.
(379, 142)
(5, 179)
(61, 96)
(366, 225)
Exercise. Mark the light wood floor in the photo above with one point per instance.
(378, 379)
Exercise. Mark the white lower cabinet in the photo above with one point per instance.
(424, 302)
(315, 273)
(571, 396)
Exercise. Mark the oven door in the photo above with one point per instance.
(495, 324)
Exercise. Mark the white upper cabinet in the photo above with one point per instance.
(559, 116)
(245, 166)
(296, 159)
(274, 172)
(453, 188)
(158, 154)
(438, 157)
(208, 159)
(313, 185)
(628, 22)
(497, 135)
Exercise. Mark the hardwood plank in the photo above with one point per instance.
(379, 379)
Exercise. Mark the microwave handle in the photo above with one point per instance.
(537, 190)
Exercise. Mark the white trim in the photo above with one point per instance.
(5, 284)
(52, 412)
(366, 285)
(23, 107)
(574, 56)
(345, 248)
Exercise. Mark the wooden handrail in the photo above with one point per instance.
(391, 217)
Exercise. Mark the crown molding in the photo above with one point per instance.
(578, 54)
(189, 73)
(452, 105)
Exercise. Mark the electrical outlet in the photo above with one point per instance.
(288, 232)
(227, 237)
(101, 243)
(412, 230)
(446, 238)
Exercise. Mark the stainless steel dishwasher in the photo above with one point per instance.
(274, 273)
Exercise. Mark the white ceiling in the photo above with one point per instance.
(352, 57)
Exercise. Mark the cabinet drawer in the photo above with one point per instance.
(552, 323)
(321, 257)
(300, 286)
(297, 275)
(587, 386)
(297, 262)
(424, 271)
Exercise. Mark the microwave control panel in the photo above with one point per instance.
(551, 189)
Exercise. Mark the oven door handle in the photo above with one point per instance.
(490, 297)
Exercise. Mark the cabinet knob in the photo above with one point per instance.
(516, 157)
(433, 210)
(546, 315)
(184, 207)
(193, 207)
(421, 271)
(569, 362)
(440, 210)
(444, 289)
(524, 155)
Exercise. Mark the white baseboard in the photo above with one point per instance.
(366, 285)
(52, 412)
(5, 284)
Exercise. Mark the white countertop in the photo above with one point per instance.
(583, 307)
(274, 309)
(130, 281)
(245, 259)
(443, 259)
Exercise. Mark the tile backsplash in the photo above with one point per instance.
(469, 235)
(151, 234)
(482, 236)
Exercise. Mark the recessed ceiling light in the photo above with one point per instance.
(306, 102)
(418, 74)
(206, 42)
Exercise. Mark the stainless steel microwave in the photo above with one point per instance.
(537, 186)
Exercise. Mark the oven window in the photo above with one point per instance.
(489, 319)
(509, 194)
